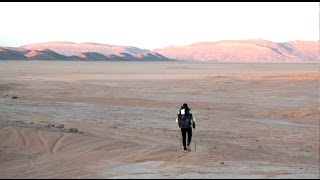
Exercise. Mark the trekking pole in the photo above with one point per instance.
(180, 140)
(195, 142)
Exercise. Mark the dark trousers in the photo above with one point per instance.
(184, 132)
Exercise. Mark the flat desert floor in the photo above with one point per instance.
(253, 120)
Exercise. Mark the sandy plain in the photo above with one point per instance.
(254, 120)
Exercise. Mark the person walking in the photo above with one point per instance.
(186, 121)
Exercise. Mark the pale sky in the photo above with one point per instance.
(155, 24)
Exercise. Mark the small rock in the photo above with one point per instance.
(14, 97)
(257, 139)
(73, 130)
(60, 126)
(31, 123)
(222, 162)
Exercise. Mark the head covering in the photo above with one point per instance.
(185, 105)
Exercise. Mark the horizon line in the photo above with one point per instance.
(172, 45)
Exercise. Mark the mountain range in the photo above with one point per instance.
(78, 51)
(256, 50)
(245, 51)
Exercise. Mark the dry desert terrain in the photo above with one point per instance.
(254, 120)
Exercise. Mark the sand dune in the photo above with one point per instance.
(84, 54)
(9, 54)
(70, 48)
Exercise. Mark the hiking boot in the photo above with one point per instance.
(188, 148)
(185, 151)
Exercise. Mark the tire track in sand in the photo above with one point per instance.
(25, 142)
(42, 142)
(25, 170)
(56, 144)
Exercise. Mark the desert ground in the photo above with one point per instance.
(254, 120)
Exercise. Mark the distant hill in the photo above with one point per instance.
(9, 54)
(78, 51)
(70, 48)
(256, 50)
(245, 51)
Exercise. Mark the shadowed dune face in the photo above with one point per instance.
(245, 50)
(84, 51)
(9, 54)
(253, 120)
(70, 49)
(44, 54)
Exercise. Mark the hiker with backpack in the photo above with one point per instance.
(186, 121)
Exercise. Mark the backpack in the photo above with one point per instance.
(184, 120)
